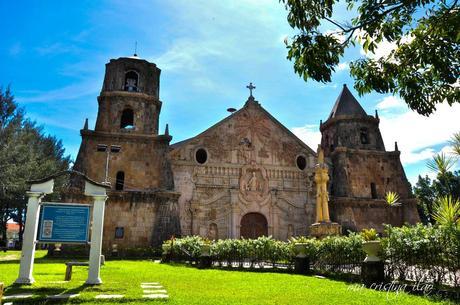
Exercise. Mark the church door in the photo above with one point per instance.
(253, 225)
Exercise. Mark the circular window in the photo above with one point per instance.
(301, 162)
(201, 156)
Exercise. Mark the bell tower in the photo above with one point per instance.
(125, 147)
(348, 125)
(362, 170)
(129, 100)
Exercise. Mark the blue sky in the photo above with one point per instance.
(53, 54)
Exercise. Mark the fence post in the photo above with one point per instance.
(205, 257)
(372, 268)
(372, 273)
(301, 260)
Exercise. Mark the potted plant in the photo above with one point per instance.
(300, 246)
(205, 257)
(303, 249)
(371, 245)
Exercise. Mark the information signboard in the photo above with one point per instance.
(64, 223)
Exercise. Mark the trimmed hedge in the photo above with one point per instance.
(416, 253)
(337, 250)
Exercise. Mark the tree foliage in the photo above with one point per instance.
(423, 68)
(429, 192)
(26, 153)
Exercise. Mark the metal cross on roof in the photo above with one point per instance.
(250, 87)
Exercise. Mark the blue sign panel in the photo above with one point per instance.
(64, 223)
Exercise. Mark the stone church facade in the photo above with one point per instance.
(245, 176)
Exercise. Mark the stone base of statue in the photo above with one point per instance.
(323, 229)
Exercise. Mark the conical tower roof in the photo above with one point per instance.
(346, 104)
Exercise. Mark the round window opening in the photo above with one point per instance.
(301, 162)
(201, 156)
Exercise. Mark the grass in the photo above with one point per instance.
(188, 285)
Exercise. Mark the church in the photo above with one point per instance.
(245, 176)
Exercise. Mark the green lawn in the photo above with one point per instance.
(188, 285)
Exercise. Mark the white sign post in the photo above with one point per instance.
(99, 196)
(37, 191)
(93, 189)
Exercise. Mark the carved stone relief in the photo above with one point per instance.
(254, 184)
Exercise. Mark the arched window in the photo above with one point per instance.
(364, 136)
(127, 118)
(120, 181)
(131, 81)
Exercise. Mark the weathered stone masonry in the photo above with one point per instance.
(245, 176)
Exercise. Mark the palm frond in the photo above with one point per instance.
(455, 142)
(447, 211)
(392, 198)
(441, 163)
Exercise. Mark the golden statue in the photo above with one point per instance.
(323, 226)
(322, 196)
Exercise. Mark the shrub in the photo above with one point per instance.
(424, 252)
(341, 249)
(189, 246)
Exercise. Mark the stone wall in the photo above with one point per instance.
(146, 218)
(355, 214)
(142, 158)
(346, 131)
(250, 168)
(353, 172)
(146, 111)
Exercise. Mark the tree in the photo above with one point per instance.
(455, 142)
(431, 193)
(26, 153)
(423, 68)
(426, 196)
(447, 211)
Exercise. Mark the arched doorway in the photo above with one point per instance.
(253, 225)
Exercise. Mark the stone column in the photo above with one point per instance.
(96, 240)
(30, 233)
(275, 214)
(233, 214)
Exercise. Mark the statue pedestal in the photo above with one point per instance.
(323, 229)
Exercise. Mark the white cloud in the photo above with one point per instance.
(185, 55)
(216, 42)
(390, 102)
(417, 135)
(57, 48)
(383, 48)
(309, 134)
(329, 86)
(337, 33)
(343, 66)
(88, 88)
